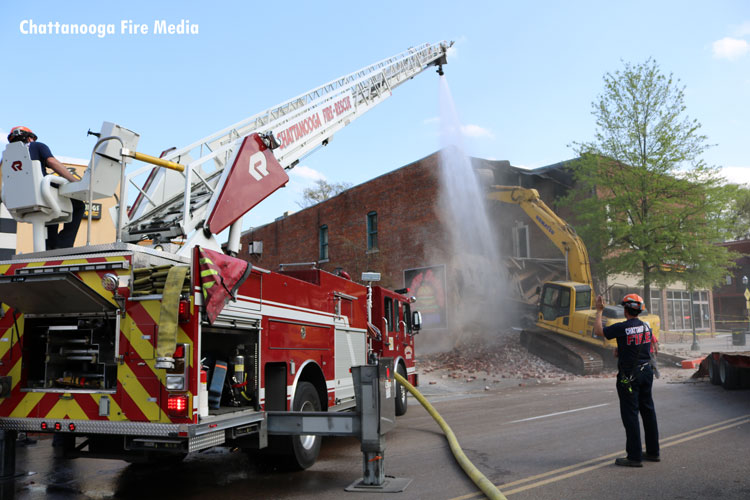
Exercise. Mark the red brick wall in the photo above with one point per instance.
(408, 227)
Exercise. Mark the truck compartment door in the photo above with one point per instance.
(43, 294)
(351, 350)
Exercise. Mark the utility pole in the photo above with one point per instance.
(695, 346)
(747, 300)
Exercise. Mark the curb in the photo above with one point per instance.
(670, 359)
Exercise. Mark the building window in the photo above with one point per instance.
(521, 240)
(701, 312)
(323, 241)
(679, 315)
(678, 310)
(372, 231)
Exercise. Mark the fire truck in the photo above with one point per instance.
(164, 342)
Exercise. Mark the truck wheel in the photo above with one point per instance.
(713, 370)
(305, 448)
(401, 393)
(730, 374)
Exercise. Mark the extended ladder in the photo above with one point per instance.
(172, 205)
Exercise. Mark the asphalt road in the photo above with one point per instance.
(539, 441)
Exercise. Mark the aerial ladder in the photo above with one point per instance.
(563, 330)
(182, 205)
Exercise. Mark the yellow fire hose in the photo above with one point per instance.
(474, 474)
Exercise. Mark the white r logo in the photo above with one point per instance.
(258, 167)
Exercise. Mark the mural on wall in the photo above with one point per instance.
(427, 284)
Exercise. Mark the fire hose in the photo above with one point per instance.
(474, 474)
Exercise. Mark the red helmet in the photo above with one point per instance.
(20, 134)
(633, 301)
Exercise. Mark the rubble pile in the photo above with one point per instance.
(501, 357)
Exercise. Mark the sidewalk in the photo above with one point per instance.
(678, 346)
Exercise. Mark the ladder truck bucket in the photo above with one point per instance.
(28, 194)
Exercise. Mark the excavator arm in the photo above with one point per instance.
(556, 229)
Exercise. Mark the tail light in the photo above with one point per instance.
(179, 352)
(177, 405)
(184, 312)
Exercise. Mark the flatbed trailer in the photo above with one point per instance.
(730, 369)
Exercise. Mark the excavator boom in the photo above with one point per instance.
(557, 230)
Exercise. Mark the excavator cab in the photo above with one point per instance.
(565, 307)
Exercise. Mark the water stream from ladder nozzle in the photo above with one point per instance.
(476, 271)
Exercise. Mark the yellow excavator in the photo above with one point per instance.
(563, 332)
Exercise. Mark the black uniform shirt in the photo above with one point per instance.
(40, 152)
(631, 334)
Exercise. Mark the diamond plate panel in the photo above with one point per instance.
(207, 440)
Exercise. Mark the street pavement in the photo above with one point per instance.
(549, 440)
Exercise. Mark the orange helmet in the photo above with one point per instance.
(20, 134)
(633, 301)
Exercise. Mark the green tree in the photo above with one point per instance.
(738, 212)
(321, 192)
(646, 201)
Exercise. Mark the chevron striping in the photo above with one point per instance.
(12, 339)
(115, 411)
(128, 409)
(66, 408)
(139, 396)
(90, 406)
(48, 401)
(28, 405)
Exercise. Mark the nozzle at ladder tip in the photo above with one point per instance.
(440, 70)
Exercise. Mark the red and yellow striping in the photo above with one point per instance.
(140, 395)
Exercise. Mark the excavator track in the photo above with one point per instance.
(563, 353)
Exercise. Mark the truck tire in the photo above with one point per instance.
(730, 374)
(713, 370)
(304, 448)
(402, 394)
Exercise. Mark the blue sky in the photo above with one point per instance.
(522, 74)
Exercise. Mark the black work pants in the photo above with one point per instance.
(67, 237)
(635, 397)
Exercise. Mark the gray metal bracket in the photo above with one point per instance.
(374, 417)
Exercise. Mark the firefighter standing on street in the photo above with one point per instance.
(635, 377)
(38, 151)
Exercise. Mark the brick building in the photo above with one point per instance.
(729, 299)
